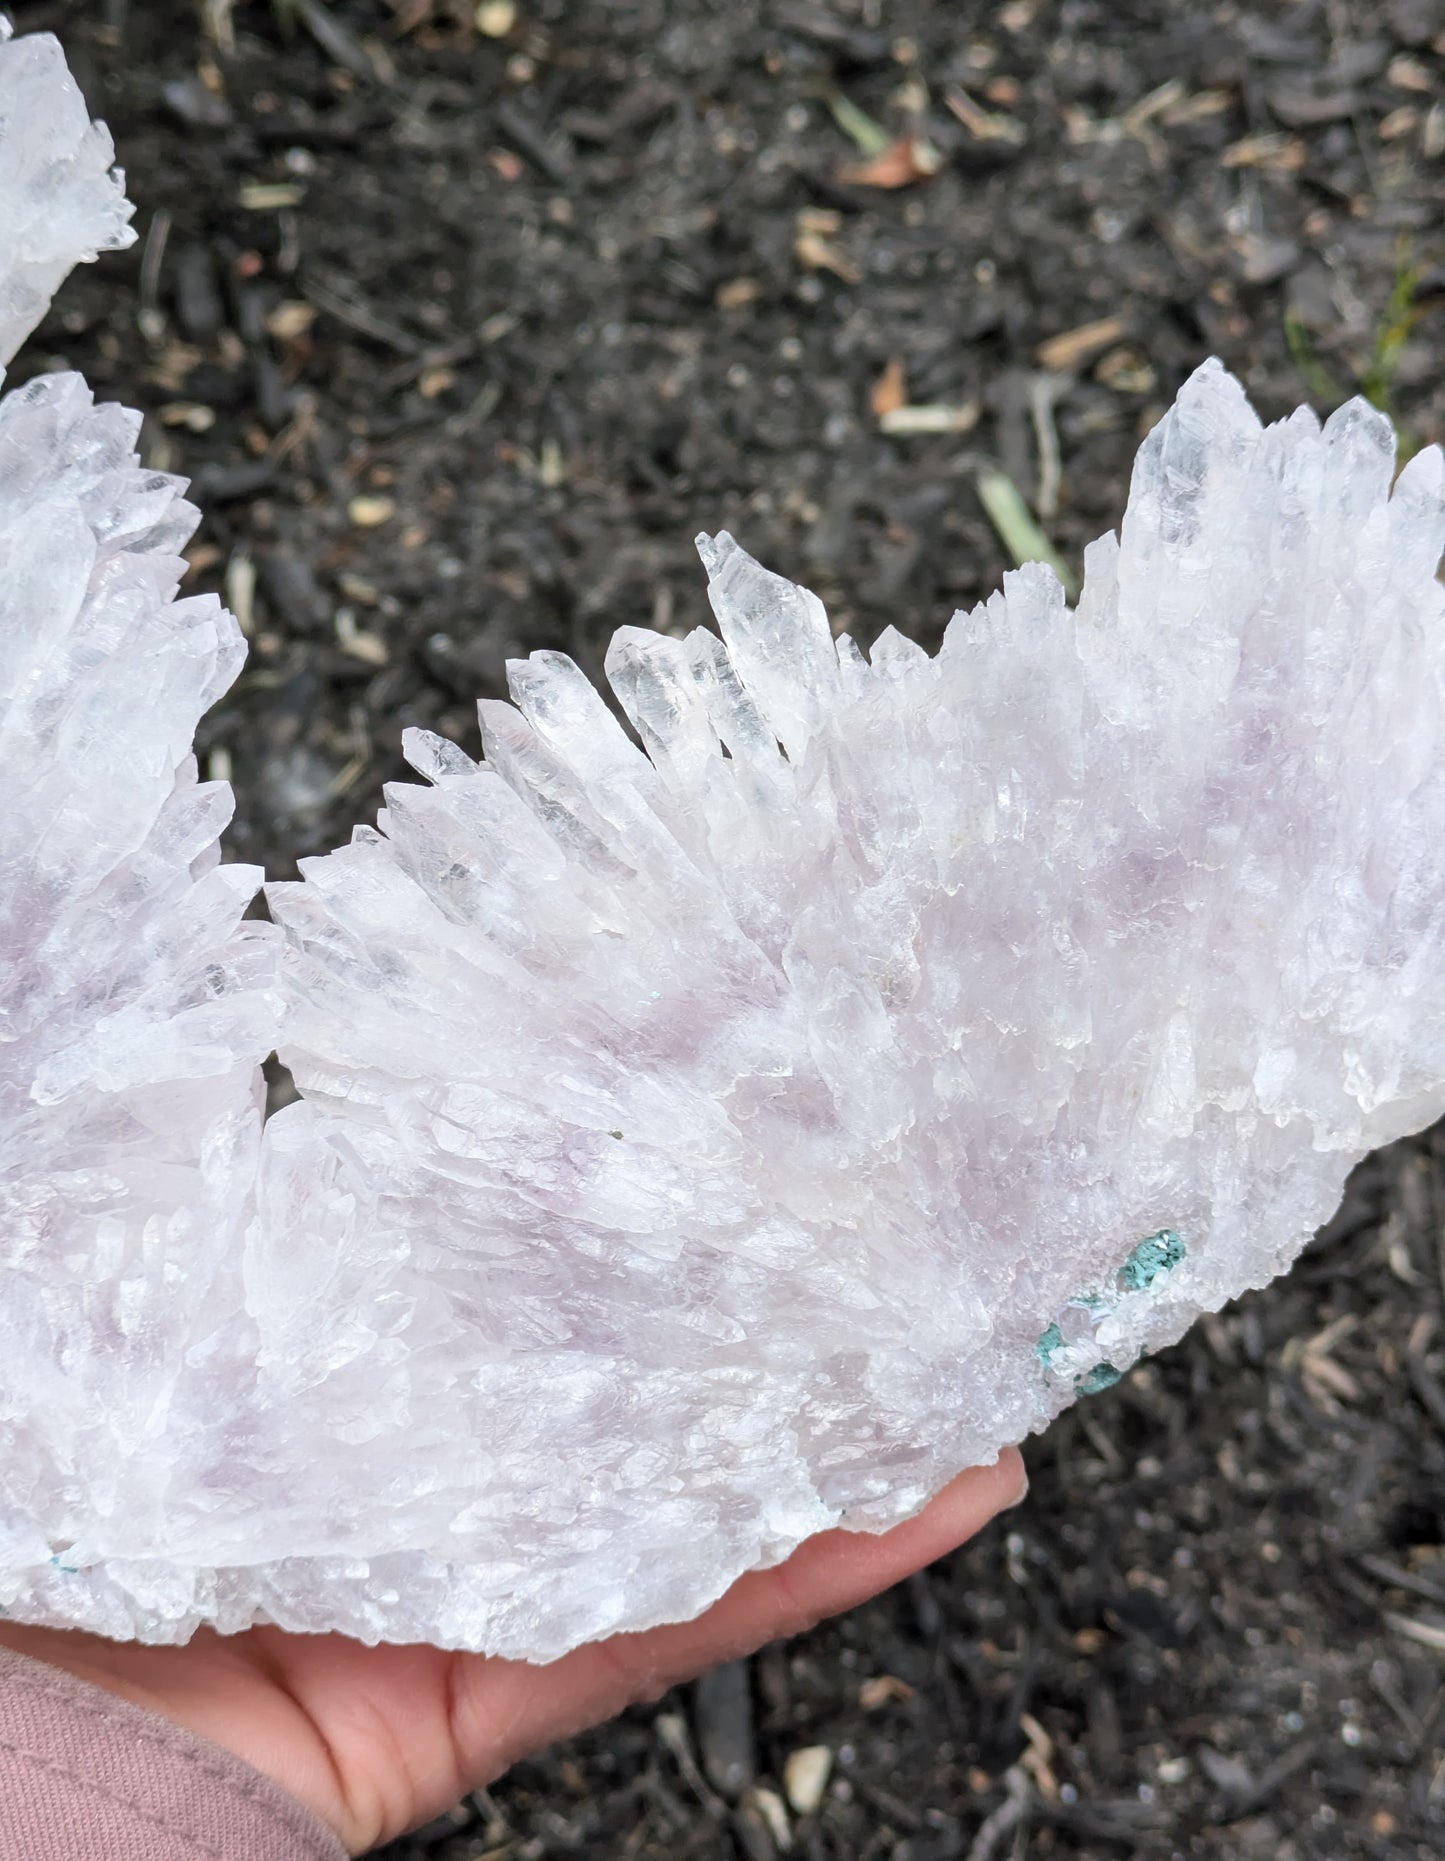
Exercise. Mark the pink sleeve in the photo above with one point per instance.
(85, 1776)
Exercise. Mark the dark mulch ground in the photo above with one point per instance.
(462, 337)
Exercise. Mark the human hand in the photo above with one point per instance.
(376, 1740)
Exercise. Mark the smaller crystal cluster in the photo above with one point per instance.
(60, 199)
(135, 1006)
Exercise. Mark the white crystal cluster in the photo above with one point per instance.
(60, 199)
(134, 1004)
(705, 1143)
(753, 1131)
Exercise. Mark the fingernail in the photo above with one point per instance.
(1022, 1494)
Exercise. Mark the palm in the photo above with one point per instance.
(374, 1740)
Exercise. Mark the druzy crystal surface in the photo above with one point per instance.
(709, 1134)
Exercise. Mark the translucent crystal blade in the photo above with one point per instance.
(778, 639)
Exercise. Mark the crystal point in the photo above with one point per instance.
(777, 637)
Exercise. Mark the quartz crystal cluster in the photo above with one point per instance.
(700, 1143)
(134, 1003)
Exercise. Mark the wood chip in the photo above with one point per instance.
(194, 416)
(1322, 1374)
(738, 293)
(814, 252)
(1198, 108)
(1273, 150)
(984, 125)
(367, 512)
(367, 647)
(241, 589)
(268, 196)
(1168, 96)
(890, 390)
(1410, 74)
(290, 318)
(1428, 1634)
(496, 18)
(805, 1777)
(1127, 370)
(1399, 123)
(909, 159)
(433, 382)
(1037, 1761)
(883, 1690)
(1073, 347)
(902, 421)
(769, 1806)
(1303, 108)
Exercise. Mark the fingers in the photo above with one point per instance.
(514, 1708)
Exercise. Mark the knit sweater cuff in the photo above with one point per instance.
(87, 1776)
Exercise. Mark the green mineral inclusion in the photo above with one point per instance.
(1154, 1256)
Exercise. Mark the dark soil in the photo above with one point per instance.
(462, 338)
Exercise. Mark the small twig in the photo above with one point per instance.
(488, 399)
(358, 317)
(1398, 1578)
(150, 318)
(671, 1728)
(1006, 1818)
(1272, 1779)
(407, 372)
(218, 26)
(1044, 390)
(530, 140)
(1427, 1634)
(333, 38)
